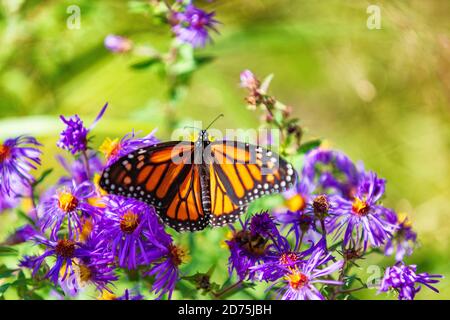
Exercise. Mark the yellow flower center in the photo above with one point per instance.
(178, 255)
(86, 229)
(4, 152)
(106, 295)
(110, 147)
(67, 201)
(96, 201)
(85, 273)
(65, 248)
(402, 218)
(297, 280)
(296, 203)
(360, 207)
(129, 222)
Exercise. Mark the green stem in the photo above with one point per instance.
(86, 163)
(352, 290)
(324, 233)
(227, 289)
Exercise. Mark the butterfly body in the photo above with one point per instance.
(196, 184)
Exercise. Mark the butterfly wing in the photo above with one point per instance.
(165, 176)
(223, 209)
(248, 172)
(185, 211)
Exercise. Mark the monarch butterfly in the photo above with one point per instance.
(196, 184)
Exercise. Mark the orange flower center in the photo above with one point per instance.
(129, 222)
(297, 280)
(360, 207)
(65, 248)
(178, 255)
(4, 152)
(67, 201)
(288, 258)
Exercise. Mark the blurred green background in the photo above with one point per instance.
(381, 96)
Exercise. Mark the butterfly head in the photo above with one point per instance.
(203, 136)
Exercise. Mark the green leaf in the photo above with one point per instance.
(349, 280)
(308, 146)
(146, 63)
(139, 7)
(7, 251)
(41, 179)
(266, 83)
(202, 281)
(202, 60)
(22, 214)
(242, 286)
(335, 246)
(4, 287)
(30, 295)
(5, 272)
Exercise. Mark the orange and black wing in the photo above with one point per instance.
(223, 209)
(163, 175)
(185, 211)
(248, 172)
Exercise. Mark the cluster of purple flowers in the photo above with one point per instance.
(406, 281)
(86, 235)
(190, 25)
(333, 201)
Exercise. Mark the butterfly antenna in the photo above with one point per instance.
(217, 118)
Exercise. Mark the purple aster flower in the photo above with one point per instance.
(74, 137)
(406, 281)
(361, 219)
(299, 218)
(67, 253)
(117, 44)
(28, 262)
(18, 157)
(21, 235)
(166, 258)
(126, 229)
(69, 203)
(78, 170)
(299, 281)
(264, 225)
(279, 260)
(115, 149)
(331, 170)
(403, 240)
(95, 269)
(250, 245)
(276, 264)
(192, 25)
